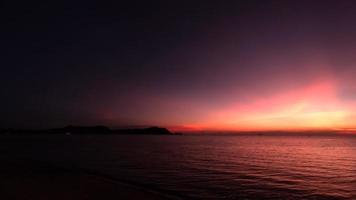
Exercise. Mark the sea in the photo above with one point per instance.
(247, 167)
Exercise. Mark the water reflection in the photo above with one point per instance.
(213, 167)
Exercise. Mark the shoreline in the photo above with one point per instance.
(28, 179)
(125, 183)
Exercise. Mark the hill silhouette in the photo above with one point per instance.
(70, 130)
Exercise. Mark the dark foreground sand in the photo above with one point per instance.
(30, 180)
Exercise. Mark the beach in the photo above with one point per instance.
(29, 180)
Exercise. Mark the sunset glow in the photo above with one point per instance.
(251, 65)
(314, 107)
(244, 99)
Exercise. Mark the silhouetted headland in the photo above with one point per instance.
(69, 130)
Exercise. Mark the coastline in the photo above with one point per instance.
(27, 180)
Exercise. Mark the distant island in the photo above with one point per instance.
(77, 130)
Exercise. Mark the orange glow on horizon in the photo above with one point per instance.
(314, 107)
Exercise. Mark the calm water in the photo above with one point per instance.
(208, 167)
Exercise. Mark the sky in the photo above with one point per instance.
(185, 65)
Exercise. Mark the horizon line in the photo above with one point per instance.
(182, 129)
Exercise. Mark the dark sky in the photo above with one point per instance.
(181, 64)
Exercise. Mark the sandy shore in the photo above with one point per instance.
(25, 180)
